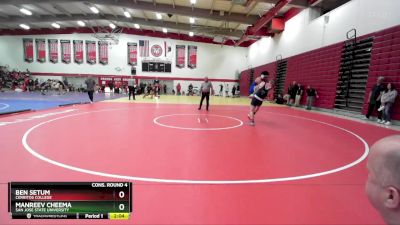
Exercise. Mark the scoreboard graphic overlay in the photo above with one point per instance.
(70, 200)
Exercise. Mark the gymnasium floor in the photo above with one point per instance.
(197, 167)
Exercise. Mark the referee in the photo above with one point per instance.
(206, 88)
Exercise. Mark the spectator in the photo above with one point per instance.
(90, 84)
(165, 88)
(279, 99)
(190, 90)
(383, 184)
(292, 91)
(311, 94)
(233, 91)
(388, 98)
(299, 94)
(178, 89)
(227, 90)
(131, 87)
(374, 98)
(221, 89)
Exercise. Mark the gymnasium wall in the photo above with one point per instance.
(303, 33)
(320, 68)
(385, 61)
(215, 61)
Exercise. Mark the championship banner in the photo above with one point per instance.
(41, 50)
(103, 52)
(53, 50)
(78, 51)
(192, 56)
(132, 54)
(28, 50)
(91, 52)
(180, 56)
(65, 51)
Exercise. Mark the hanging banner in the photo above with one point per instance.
(180, 56)
(28, 50)
(41, 50)
(132, 54)
(65, 51)
(103, 52)
(91, 52)
(192, 56)
(78, 51)
(53, 50)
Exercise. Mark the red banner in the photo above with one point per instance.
(53, 50)
(132, 54)
(103, 52)
(28, 50)
(41, 50)
(65, 51)
(91, 52)
(180, 56)
(192, 56)
(78, 51)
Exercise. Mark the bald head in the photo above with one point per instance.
(383, 184)
(385, 159)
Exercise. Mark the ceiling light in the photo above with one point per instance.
(159, 16)
(56, 25)
(127, 14)
(25, 11)
(136, 26)
(191, 34)
(112, 26)
(191, 20)
(193, 2)
(94, 9)
(81, 23)
(164, 30)
(24, 26)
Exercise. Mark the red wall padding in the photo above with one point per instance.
(320, 68)
(385, 61)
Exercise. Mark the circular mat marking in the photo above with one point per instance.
(200, 119)
(159, 180)
(4, 106)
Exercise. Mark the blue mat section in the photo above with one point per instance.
(14, 101)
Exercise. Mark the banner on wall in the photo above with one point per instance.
(103, 52)
(167, 50)
(78, 51)
(65, 51)
(91, 52)
(132, 53)
(41, 50)
(53, 50)
(180, 56)
(28, 49)
(192, 56)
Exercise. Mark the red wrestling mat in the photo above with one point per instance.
(198, 167)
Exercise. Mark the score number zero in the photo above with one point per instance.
(121, 194)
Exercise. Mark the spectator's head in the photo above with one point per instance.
(308, 86)
(380, 80)
(294, 82)
(383, 184)
(390, 86)
(206, 79)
